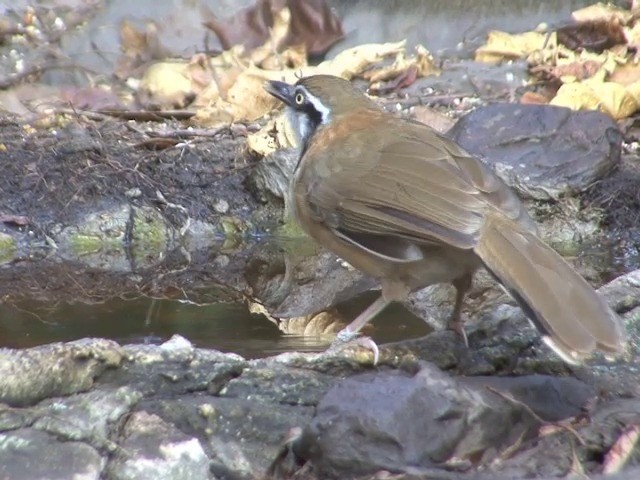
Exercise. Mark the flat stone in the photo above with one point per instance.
(161, 452)
(27, 454)
(29, 376)
(542, 151)
(390, 421)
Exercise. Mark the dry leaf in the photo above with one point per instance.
(138, 48)
(353, 61)
(534, 98)
(436, 120)
(601, 12)
(277, 33)
(314, 25)
(276, 134)
(608, 97)
(422, 62)
(621, 450)
(248, 27)
(626, 74)
(502, 46)
(91, 98)
(595, 36)
(166, 85)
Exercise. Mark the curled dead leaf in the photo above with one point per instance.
(354, 61)
(503, 46)
(608, 97)
(139, 47)
(422, 61)
(276, 134)
(595, 35)
(605, 12)
(166, 85)
(314, 25)
(248, 27)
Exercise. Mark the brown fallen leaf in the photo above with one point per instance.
(91, 98)
(436, 120)
(314, 25)
(139, 47)
(403, 71)
(567, 72)
(621, 450)
(534, 98)
(248, 27)
(596, 35)
(403, 80)
(626, 74)
(18, 220)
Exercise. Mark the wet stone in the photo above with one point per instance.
(27, 454)
(400, 420)
(162, 452)
(542, 151)
(29, 376)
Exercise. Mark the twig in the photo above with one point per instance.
(528, 409)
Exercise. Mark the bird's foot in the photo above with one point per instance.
(458, 327)
(346, 339)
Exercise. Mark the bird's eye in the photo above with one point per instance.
(299, 98)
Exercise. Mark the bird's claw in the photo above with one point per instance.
(458, 327)
(346, 339)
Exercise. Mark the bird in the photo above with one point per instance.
(408, 206)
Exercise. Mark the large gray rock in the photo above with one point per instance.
(391, 421)
(29, 376)
(540, 150)
(27, 454)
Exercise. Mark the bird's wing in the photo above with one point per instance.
(411, 183)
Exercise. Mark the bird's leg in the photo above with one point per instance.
(462, 284)
(351, 330)
(349, 334)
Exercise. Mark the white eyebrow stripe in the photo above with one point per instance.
(325, 113)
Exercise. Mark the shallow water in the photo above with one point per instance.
(449, 28)
(227, 327)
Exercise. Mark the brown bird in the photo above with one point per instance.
(408, 206)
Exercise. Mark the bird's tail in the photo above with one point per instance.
(573, 319)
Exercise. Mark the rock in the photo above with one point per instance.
(153, 448)
(551, 398)
(29, 376)
(88, 416)
(272, 175)
(542, 151)
(27, 454)
(394, 422)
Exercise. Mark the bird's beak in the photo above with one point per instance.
(282, 91)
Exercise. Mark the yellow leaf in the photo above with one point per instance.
(608, 97)
(505, 46)
(601, 12)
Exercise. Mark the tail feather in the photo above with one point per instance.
(573, 319)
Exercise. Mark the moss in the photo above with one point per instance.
(85, 244)
(149, 230)
(8, 248)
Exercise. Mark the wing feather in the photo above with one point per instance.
(411, 183)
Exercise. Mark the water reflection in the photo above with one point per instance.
(224, 326)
